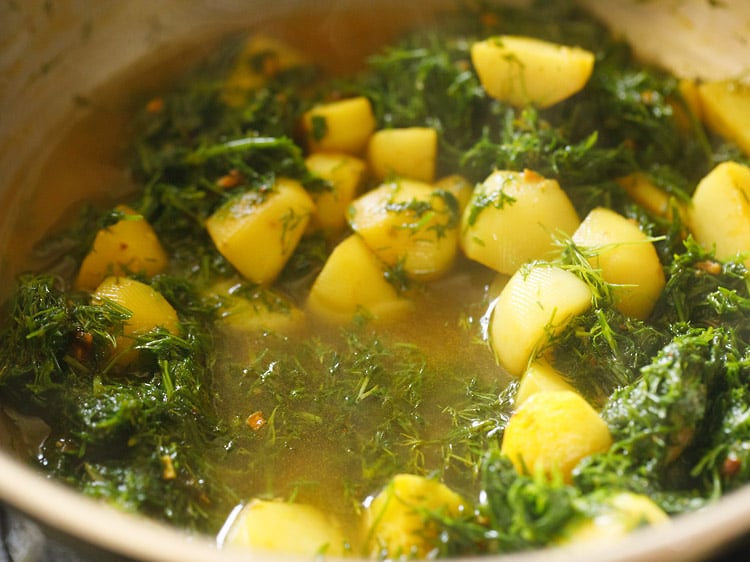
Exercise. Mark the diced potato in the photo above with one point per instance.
(339, 126)
(552, 432)
(688, 111)
(409, 152)
(261, 58)
(247, 309)
(512, 218)
(459, 186)
(128, 246)
(536, 304)
(351, 283)
(720, 214)
(616, 516)
(257, 232)
(409, 224)
(650, 196)
(524, 70)
(626, 258)
(540, 377)
(396, 527)
(149, 310)
(289, 528)
(346, 174)
(725, 107)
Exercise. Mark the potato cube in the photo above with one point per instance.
(351, 283)
(128, 246)
(289, 528)
(524, 70)
(552, 432)
(540, 376)
(512, 218)
(720, 214)
(626, 258)
(409, 224)
(616, 515)
(252, 308)
(339, 126)
(725, 107)
(396, 526)
(687, 111)
(345, 173)
(650, 196)
(536, 304)
(409, 152)
(149, 310)
(261, 58)
(257, 232)
(459, 186)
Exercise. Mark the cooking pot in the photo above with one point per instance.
(57, 58)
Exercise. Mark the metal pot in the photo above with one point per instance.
(55, 54)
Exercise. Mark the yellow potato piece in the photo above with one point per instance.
(261, 58)
(627, 260)
(396, 528)
(552, 432)
(345, 173)
(688, 111)
(720, 213)
(257, 232)
(536, 304)
(410, 152)
(620, 514)
(351, 283)
(128, 246)
(540, 377)
(524, 70)
(725, 107)
(650, 196)
(410, 224)
(459, 186)
(255, 309)
(149, 310)
(284, 527)
(512, 218)
(339, 126)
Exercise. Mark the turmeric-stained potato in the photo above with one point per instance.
(352, 283)
(409, 224)
(289, 528)
(257, 232)
(459, 186)
(540, 376)
(536, 304)
(149, 310)
(395, 524)
(687, 111)
(345, 173)
(410, 152)
(626, 258)
(524, 70)
(725, 108)
(339, 126)
(720, 214)
(552, 432)
(616, 515)
(247, 308)
(512, 218)
(128, 246)
(262, 57)
(650, 196)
